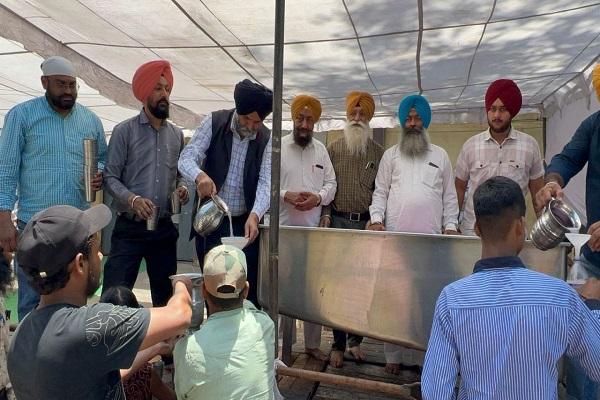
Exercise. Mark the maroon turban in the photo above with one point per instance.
(508, 92)
(148, 75)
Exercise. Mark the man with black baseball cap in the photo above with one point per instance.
(63, 340)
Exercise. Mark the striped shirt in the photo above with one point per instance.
(503, 330)
(232, 191)
(355, 175)
(481, 158)
(41, 156)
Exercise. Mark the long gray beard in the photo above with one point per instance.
(356, 135)
(414, 142)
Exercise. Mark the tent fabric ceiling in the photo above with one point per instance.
(450, 51)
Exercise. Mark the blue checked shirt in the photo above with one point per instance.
(41, 156)
(503, 330)
(232, 191)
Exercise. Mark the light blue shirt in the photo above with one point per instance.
(232, 191)
(231, 357)
(504, 330)
(41, 156)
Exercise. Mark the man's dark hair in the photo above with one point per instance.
(497, 203)
(52, 283)
(5, 273)
(120, 296)
(226, 304)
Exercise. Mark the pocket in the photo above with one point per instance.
(516, 165)
(430, 176)
(480, 171)
(367, 176)
(172, 158)
(317, 178)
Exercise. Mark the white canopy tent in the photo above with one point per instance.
(450, 51)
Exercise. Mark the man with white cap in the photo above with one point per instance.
(232, 355)
(66, 349)
(41, 157)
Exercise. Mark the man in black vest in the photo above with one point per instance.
(234, 149)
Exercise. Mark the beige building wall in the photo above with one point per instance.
(451, 137)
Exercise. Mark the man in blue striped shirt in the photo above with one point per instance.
(41, 158)
(505, 328)
(233, 147)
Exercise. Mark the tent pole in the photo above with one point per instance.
(276, 166)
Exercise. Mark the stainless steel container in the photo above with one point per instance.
(209, 215)
(152, 222)
(557, 219)
(175, 203)
(197, 300)
(90, 167)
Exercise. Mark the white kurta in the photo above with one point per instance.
(415, 194)
(307, 169)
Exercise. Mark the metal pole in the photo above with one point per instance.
(276, 166)
(398, 391)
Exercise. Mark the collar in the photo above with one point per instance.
(144, 120)
(289, 139)
(498, 262)
(51, 109)
(512, 134)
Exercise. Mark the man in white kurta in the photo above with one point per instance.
(307, 184)
(414, 188)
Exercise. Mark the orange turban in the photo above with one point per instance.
(148, 75)
(362, 99)
(301, 101)
(596, 80)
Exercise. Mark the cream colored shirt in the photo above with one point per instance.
(415, 194)
(481, 158)
(307, 169)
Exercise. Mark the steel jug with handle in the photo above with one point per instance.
(557, 219)
(209, 215)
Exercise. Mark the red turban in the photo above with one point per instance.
(508, 92)
(305, 101)
(362, 99)
(148, 75)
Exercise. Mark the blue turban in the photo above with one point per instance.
(420, 104)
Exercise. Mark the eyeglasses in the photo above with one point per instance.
(73, 86)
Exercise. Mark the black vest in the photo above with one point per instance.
(218, 155)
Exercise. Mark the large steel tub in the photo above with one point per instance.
(377, 284)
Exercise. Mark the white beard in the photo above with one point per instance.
(356, 135)
(414, 145)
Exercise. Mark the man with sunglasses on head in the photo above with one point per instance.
(41, 158)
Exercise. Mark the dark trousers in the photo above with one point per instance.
(130, 243)
(204, 245)
(339, 337)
